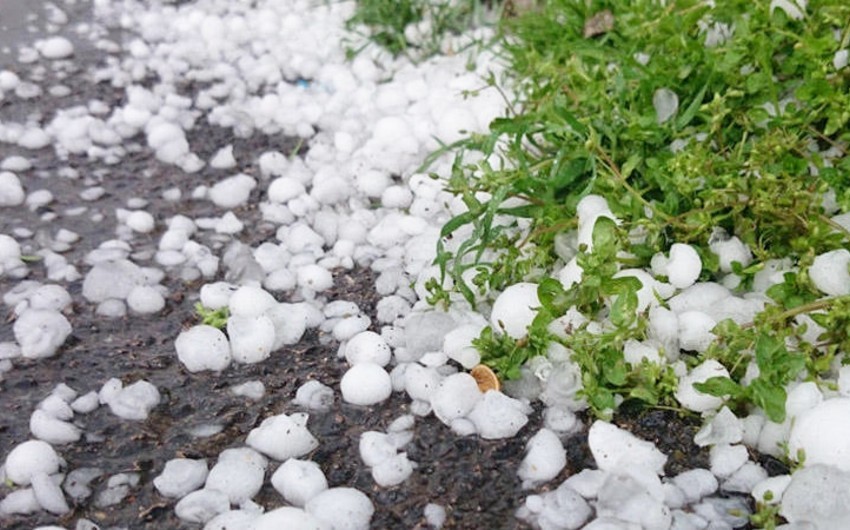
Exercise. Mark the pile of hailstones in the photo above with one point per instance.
(627, 490)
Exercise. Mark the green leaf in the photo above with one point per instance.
(616, 374)
(570, 118)
(624, 309)
(629, 166)
(552, 295)
(770, 398)
(685, 118)
(646, 393)
(456, 222)
(622, 285)
(604, 235)
(720, 387)
(769, 351)
(601, 399)
(569, 173)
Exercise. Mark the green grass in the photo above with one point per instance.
(760, 132)
(388, 23)
(755, 148)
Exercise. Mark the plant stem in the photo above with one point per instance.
(615, 170)
(805, 308)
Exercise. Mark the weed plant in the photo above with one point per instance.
(216, 318)
(696, 121)
(415, 27)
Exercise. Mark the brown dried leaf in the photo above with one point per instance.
(485, 377)
(600, 23)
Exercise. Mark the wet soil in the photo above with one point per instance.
(474, 479)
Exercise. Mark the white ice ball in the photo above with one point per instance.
(650, 288)
(695, 331)
(132, 402)
(30, 458)
(203, 347)
(282, 437)
(691, 398)
(729, 251)
(251, 338)
(515, 309)
(698, 297)
(830, 272)
(287, 517)
(818, 496)
(49, 495)
(232, 191)
(181, 476)
(145, 300)
(223, 158)
(140, 221)
(233, 519)
(455, 397)
(216, 295)
(367, 346)
(289, 324)
(248, 300)
(50, 297)
(421, 382)
(342, 508)
(284, 189)
(457, 344)
(545, 457)
(824, 434)
(376, 447)
(696, 484)
(313, 395)
(613, 448)
(53, 430)
(314, 278)
(684, 266)
(239, 478)
(497, 416)
(393, 471)
(201, 505)
(299, 481)
(366, 384)
(11, 191)
(40, 332)
(55, 48)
